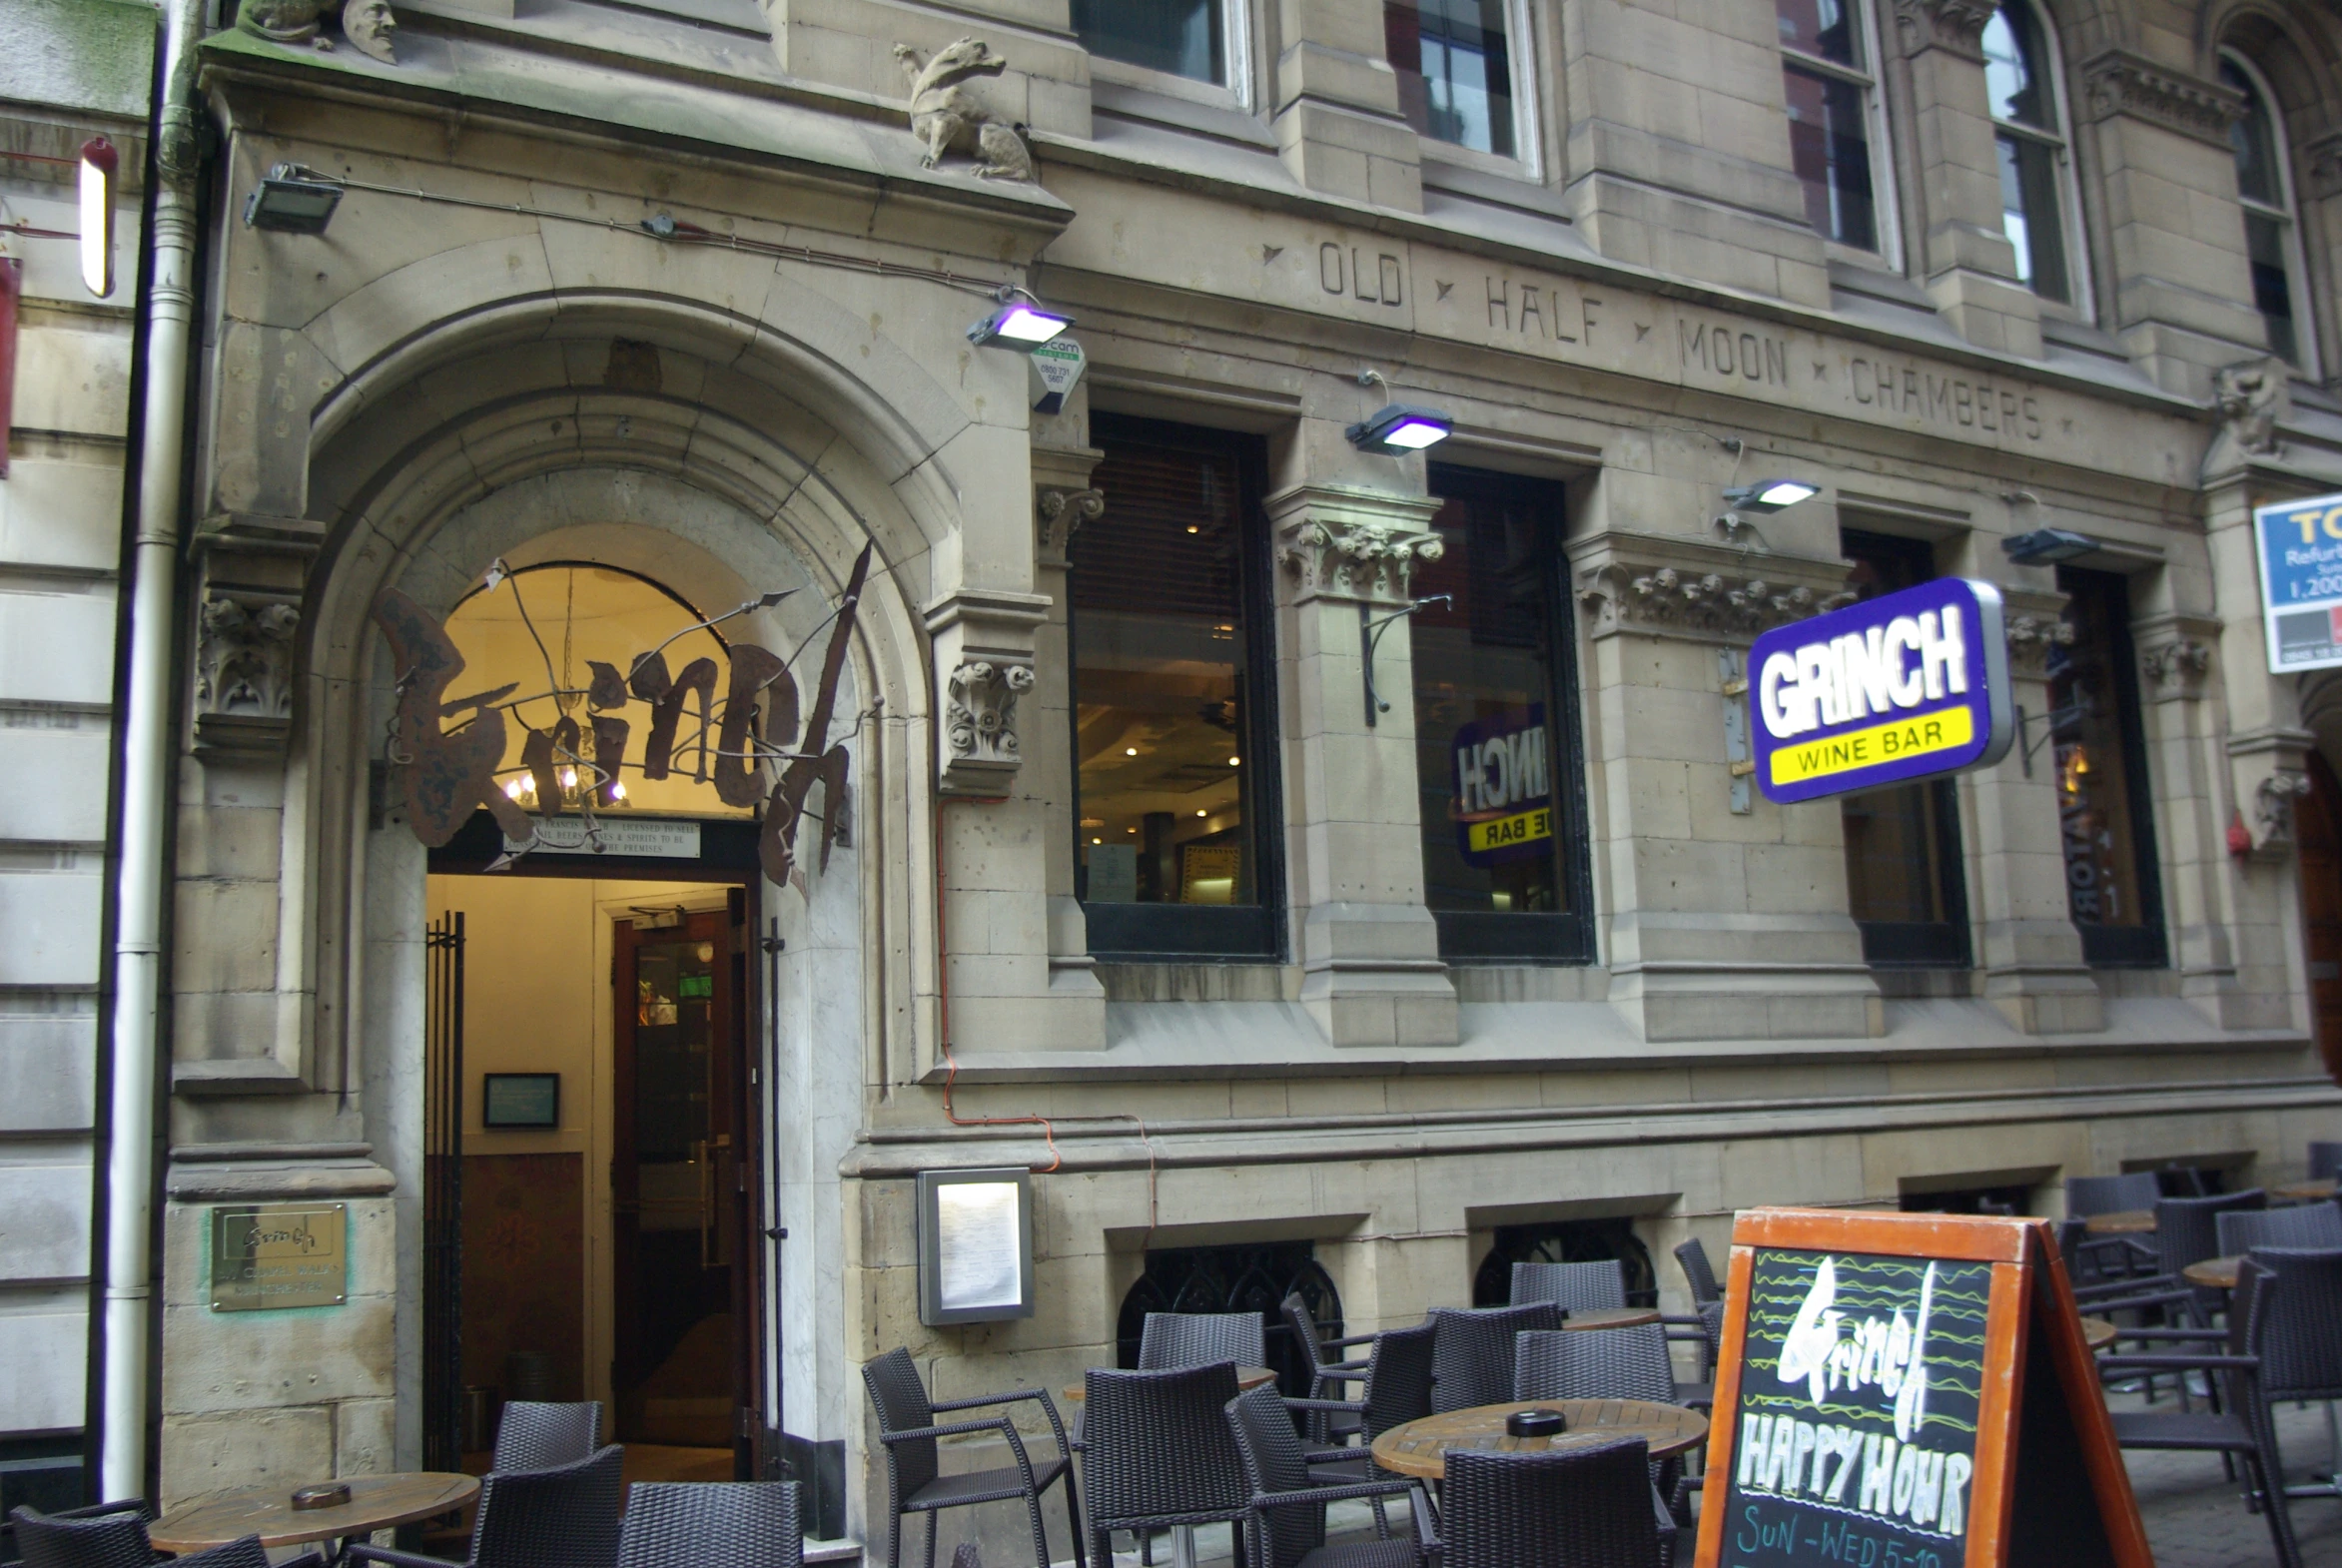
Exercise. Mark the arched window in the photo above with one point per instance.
(2264, 183)
(1836, 138)
(2028, 121)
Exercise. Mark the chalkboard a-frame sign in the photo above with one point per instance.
(1908, 1391)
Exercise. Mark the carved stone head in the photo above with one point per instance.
(370, 28)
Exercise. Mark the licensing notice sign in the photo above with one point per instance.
(2301, 582)
(1902, 687)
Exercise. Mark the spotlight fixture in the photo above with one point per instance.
(99, 163)
(2047, 547)
(1401, 428)
(1769, 496)
(1020, 326)
(291, 200)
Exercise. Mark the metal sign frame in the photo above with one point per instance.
(2298, 546)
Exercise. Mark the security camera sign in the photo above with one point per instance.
(1906, 686)
(2301, 584)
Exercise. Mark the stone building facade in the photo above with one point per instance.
(674, 292)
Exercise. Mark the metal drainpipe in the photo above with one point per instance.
(147, 753)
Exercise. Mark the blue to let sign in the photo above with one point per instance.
(1905, 686)
(2301, 582)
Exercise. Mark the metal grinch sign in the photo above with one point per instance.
(446, 773)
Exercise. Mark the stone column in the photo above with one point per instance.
(1062, 502)
(2183, 297)
(2320, 202)
(1724, 924)
(1968, 265)
(1371, 972)
(1334, 105)
(2186, 767)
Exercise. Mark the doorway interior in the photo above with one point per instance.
(606, 1160)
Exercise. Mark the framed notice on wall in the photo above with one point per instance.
(520, 1099)
(1908, 1389)
(975, 1246)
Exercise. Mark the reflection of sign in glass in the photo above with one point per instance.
(1114, 873)
(520, 1099)
(975, 1246)
(1503, 788)
(2301, 582)
(270, 1256)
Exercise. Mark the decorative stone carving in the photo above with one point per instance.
(1665, 599)
(1061, 514)
(946, 116)
(2272, 812)
(2031, 637)
(1374, 561)
(2119, 82)
(2250, 398)
(980, 723)
(2322, 167)
(371, 29)
(2177, 669)
(1954, 25)
(280, 21)
(244, 675)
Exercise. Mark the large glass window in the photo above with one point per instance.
(1496, 746)
(2020, 78)
(1902, 874)
(1827, 72)
(1178, 37)
(2102, 798)
(1170, 696)
(1454, 65)
(2264, 181)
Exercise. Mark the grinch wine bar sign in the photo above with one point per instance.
(1894, 690)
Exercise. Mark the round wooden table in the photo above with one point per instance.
(2124, 1222)
(1611, 1318)
(376, 1502)
(1419, 1448)
(2305, 1192)
(2218, 1273)
(2097, 1332)
(1246, 1377)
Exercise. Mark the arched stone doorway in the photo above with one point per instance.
(2318, 829)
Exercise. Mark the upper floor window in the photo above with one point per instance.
(2264, 181)
(1171, 698)
(1827, 54)
(2028, 121)
(1454, 65)
(1496, 735)
(1902, 872)
(1186, 38)
(2103, 818)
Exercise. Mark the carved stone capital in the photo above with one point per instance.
(2121, 83)
(2272, 813)
(1683, 589)
(1956, 26)
(2321, 163)
(2175, 670)
(244, 673)
(1342, 545)
(1059, 516)
(2031, 637)
(980, 723)
(983, 664)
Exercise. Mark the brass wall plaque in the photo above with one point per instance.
(271, 1255)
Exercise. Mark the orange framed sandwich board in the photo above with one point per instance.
(1908, 1391)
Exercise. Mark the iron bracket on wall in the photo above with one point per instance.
(1370, 630)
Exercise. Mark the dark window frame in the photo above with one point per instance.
(1203, 933)
(1516, 937)
(2147, 945)
(1922, 944)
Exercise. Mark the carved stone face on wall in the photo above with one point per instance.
(370, 28)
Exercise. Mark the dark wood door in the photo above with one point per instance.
(2318, 829)
(684, 1362)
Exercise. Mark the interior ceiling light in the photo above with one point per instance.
(1769, 496)
(291, 200)
(2045, 546)
(99, 163)
(1401, 428)
(1019, 326)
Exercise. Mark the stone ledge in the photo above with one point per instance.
(258, 1183)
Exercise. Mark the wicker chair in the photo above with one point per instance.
(2114, 1195)
(1398, 1391)
(1327, 1374)
(1692, 1258)
(534, 1436)
(2241, 1429)
(1471, 1358)
(722, 1524)
(2092, 1262)
(1569, 1508)
(2325, 1162)
(114, 1535)
(1285, 1522)
(1574, 1287)
(1176, 1340)
(1160, 1456)
(916, 1483)
(1608, 1363)
(2314, 1225)
(2301, 1340)
(563, 1517)
(2187, 1230)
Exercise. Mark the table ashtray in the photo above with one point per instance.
(1535, 1423)
(333, 1494)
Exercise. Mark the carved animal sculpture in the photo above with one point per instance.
(2247, 399)
(946, 116)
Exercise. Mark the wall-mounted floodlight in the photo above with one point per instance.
(2047, 547)
(99, 164)
(1769, 496)
(1019, 326)
(1400, 429)
(291, 200)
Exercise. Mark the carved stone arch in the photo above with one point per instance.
(2296, 47)
(2085, 29)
